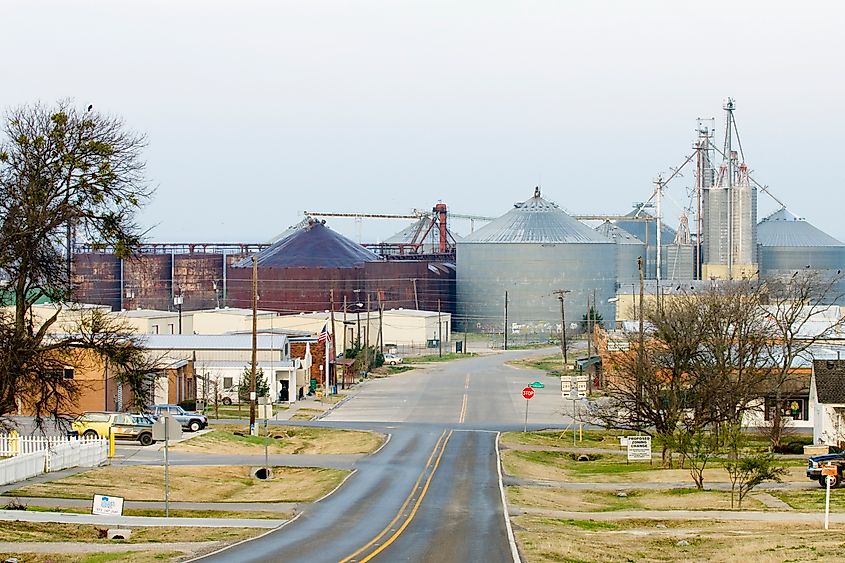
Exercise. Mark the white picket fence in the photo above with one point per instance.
(29, 456)
(22, 467)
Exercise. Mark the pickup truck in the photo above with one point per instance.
(191, 421)
(815, 463)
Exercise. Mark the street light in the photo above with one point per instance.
(177, 300)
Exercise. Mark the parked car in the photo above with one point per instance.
(815, 463)
(392, 359)
(124, 426)
(192, 421)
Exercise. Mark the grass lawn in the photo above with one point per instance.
(174, 513)
(562, 466)
(192, 484)
(236, 412)
(306, 414)
(54, 532)
(636, 499)
(447, 356)
(283, 440)
(563, 439)
(552, 365)
(556, 540)
(121, 556)
(812, 500)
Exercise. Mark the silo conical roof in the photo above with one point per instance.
(535, 221)
(617, 234)
(646, 230)
(313, 246)
(782, 228)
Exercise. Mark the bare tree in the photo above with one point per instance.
(64, 173)
(796, 309)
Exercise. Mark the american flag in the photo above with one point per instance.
(324, 334)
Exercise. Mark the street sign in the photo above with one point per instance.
(829, 470)
(174, 428)
(528, 393)
(639, 448)
(107, 505)
(265, 411)
(536, 385)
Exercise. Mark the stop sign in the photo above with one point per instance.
(528, 392)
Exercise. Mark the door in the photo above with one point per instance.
(284, 393)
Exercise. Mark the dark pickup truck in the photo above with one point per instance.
(815, 463)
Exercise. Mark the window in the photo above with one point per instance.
(154, 329)
(67, 373)
(228, 382)
(95, 417)
(171, 329)
(794, 408)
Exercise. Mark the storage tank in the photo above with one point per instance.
(646, 231)
(628, 251)
(532, 251)
(786, 244)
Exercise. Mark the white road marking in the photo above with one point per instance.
(511, 538)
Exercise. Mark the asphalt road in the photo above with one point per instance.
(432, 493)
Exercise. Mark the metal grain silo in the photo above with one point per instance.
(646, 231)
(530, 252)
(628, 251)
(786, 244)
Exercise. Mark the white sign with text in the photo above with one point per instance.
(639, 448)
(107, 505)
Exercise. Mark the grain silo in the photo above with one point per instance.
(530, 252)
(678, 258)
(628, 251)
(786, 244)
(646, 231)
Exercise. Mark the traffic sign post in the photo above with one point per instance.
(528, 394)
(829, 473)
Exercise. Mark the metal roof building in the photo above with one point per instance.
(532, 251)
(786, 243)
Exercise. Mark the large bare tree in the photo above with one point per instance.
(65, 173)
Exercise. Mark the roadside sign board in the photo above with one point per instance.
(265, 411)
(107, 505)
(829, 470)
(174, 428)
(536, 385)
(639, 448)
(528, 393)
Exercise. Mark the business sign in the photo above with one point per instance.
(639, 448)
(167, 426)
(107, 505)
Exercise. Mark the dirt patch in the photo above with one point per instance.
(554, 540)
(192, 484)
(235, 439)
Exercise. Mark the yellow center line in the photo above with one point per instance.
(407, 500)
(466, 400)
(413, 513)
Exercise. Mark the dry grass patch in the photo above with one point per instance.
(174, 513)
(306, 414)
(192, 484)
(555, 540)
(55, 532)
(812, 500)
(637, 499)
(283, 440)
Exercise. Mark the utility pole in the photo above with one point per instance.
(439, 331)
(252, 429)
(328, 379)
(505, 328)
(343, 381)
(561, 293)
(640, 350)
(381, 322)
(177, 300)
(367, 337)
(589, 336)
(416, 299)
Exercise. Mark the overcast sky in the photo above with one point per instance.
(256, 111)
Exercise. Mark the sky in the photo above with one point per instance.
(257, 111)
